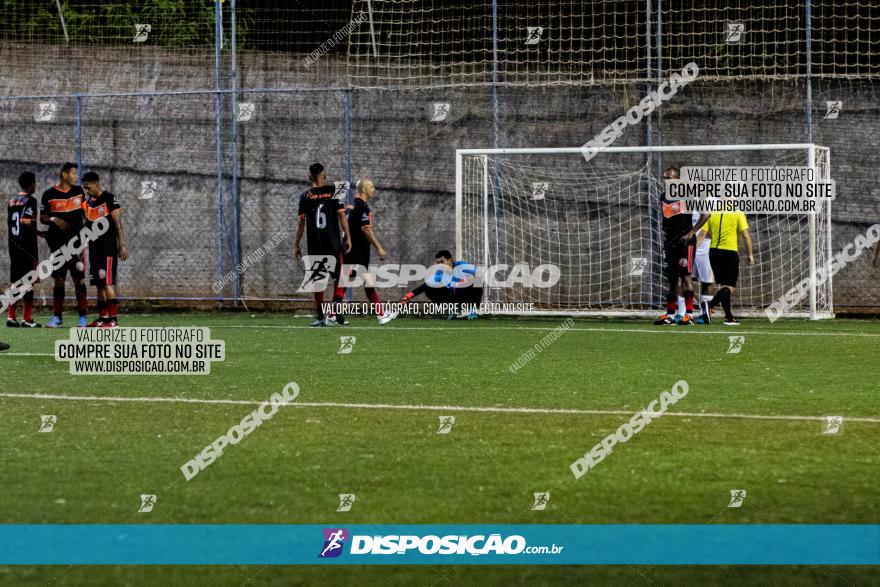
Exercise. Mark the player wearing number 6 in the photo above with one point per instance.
(322, 218)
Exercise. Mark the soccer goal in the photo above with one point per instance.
(599, 221)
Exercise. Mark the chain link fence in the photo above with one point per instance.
(204, 116)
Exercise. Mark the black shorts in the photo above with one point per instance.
(20, 265)
(102, 266)
(76, 265)
(675, 253)
(320, 267)
(358, 257)
(725, 266)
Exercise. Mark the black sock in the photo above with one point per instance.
(82, 300)
(722, 297)
(58, 299)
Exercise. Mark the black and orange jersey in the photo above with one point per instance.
(101, 207)
(21, 217)
(320, 208)
(66, 205)
(676, 222)
(359, 217)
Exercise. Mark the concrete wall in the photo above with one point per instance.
(176, 239)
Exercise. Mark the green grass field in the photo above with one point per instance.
(367, 424)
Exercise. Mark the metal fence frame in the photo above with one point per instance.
(226, 192)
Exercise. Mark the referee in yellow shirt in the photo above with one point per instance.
(723, 230)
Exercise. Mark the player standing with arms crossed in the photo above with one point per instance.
(62, 211)
(105, 251)
(322, 217)
(22, 222)
(360, 222)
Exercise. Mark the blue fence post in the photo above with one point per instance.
(809, 89)
(496, 183)
(79, 143)
(218, 119)
(236, 208)
(346, 130)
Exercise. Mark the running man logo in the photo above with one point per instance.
(318, 269)
(334, 542)
(541, 499)
(245, 111)
(148, 190)
(346, 345)
(735, 344)
(341, 191)
(45, 112)
(534, 34)
(141, 32)
(833, 108)
(637, 266)
(735, 31)
(147, 503)
(346, 500)
(737, 496)
(832, 424)
(439, 111)
(47, 423)
(446, 423)
(539, 189)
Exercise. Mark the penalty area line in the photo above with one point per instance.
(425, 407)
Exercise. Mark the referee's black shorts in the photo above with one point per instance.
(725, 266)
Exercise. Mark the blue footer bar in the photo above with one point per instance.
(636, 544)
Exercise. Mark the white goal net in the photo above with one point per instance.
(599, 221)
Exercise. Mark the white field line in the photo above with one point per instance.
(420, 407)
(27, 354)
(656, 330)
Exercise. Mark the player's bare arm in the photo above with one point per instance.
(58, 222)
(116, 216)
(371, 236)
(300, 229)
(343, 222)
(747, 238)
(703, 219)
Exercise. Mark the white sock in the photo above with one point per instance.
(681, 309)
(705, 298)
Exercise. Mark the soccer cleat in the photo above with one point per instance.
(318, 323)
(12, 323)
(55, 322)
(341, 321)
(703, 319)
(109, 323)
(83, 322)
(96, 323)
(472, 315)
(4, 346)
(664, 320)
(686, 320)
(731, 321)
(704, 309)
(30, 324)
(387, 317)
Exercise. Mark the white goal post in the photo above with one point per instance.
(599, 221)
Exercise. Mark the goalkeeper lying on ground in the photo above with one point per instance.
(441, 287)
